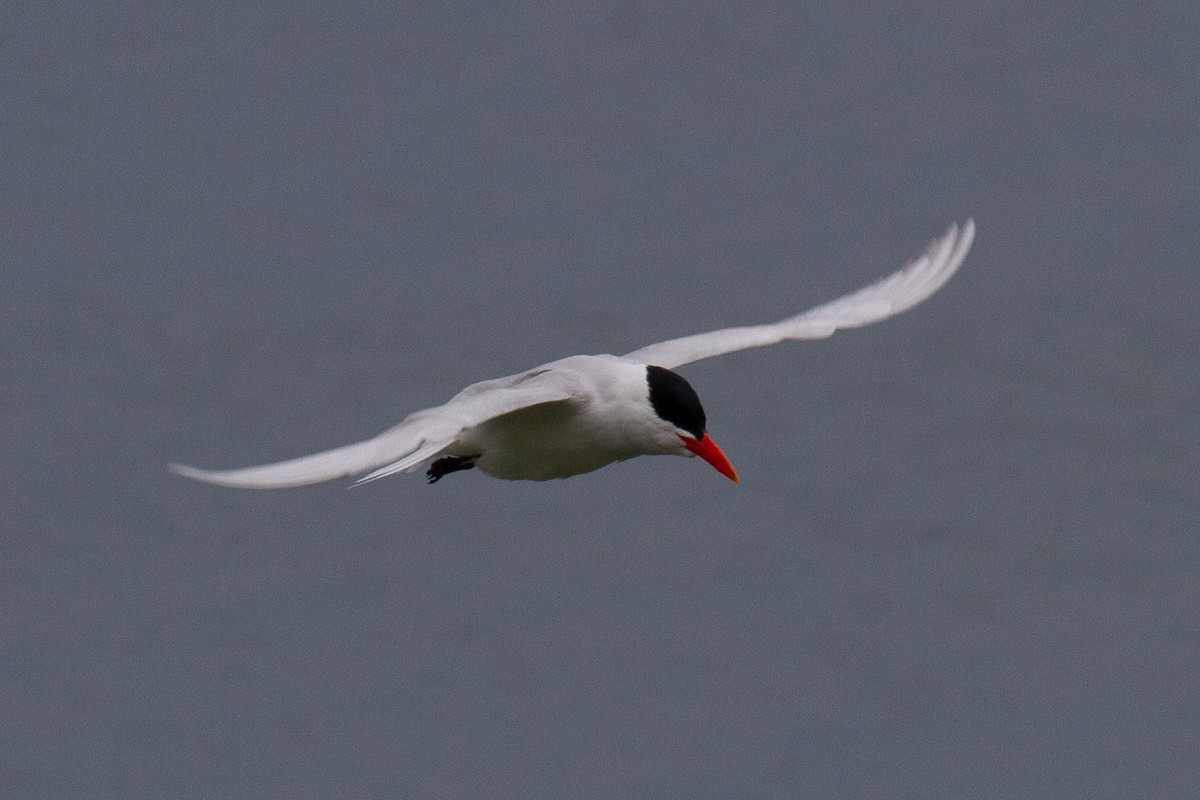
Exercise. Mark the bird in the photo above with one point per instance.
(583, 412)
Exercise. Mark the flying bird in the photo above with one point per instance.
(581, 413)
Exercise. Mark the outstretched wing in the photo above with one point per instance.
(892, 295)
(421, 436)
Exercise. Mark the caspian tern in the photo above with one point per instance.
(581, 413)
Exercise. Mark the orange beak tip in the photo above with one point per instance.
(707, 449)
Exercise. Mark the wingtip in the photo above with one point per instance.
(194, 473)
(958, 232)
(233, 479)
(968, 229)
(966, 237)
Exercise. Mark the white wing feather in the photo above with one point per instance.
(421, 436)
(892, 295)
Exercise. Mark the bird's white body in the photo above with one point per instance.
(580, 413)
(604, 422)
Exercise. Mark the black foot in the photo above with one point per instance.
(449, 464)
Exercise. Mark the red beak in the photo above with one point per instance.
(707, 449)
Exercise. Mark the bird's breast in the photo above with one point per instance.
(553, 440)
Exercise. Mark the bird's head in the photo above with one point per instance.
(676, 403)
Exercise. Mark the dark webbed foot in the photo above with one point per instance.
(447, 464)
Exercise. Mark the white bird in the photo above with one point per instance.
(581, 413)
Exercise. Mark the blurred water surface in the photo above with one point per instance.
(963, 558)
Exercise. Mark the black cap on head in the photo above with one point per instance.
(675, 400)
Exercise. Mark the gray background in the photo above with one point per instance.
(963, 558)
